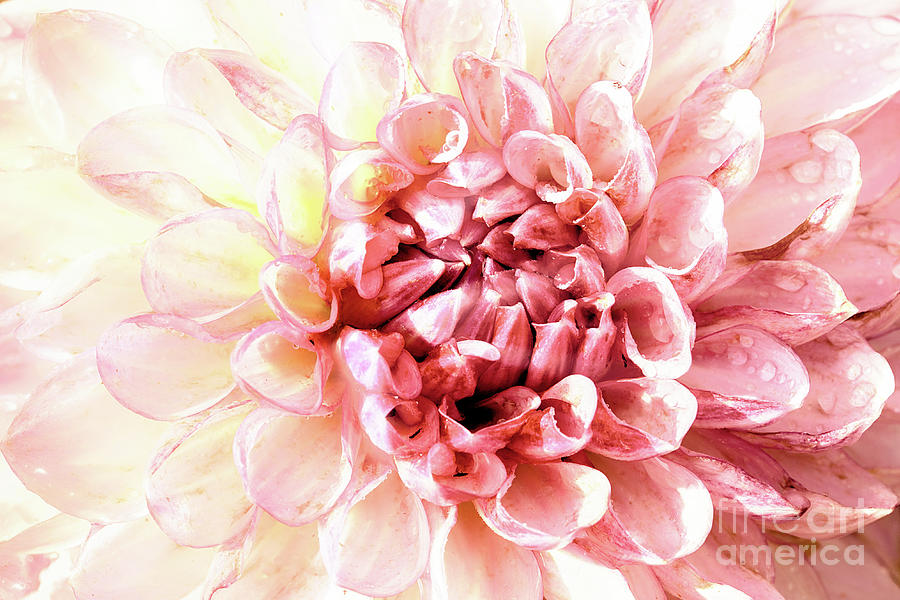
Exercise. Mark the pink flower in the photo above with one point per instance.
(458, 300)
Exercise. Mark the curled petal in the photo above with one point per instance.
(266, 447)
(609, 41)
(294, 184)
(601, 224)
(865, 262)
(435, 32)
(683, 235)
(452, 369)
(744, 377)
(70, 435)
(379, 362)
(378, 545)
(849, 385)
(605, 127)
(501, 100)
(554, 351)
(425, 132)
(641, 418)
(164, 367)
(404, 282)
(550, 164)
(359, 248)
(489, 423)
(658, 333)
(512, 337)
(468, 174)
(277, 366)
(438, 217)
(594, 353)
(540, 228)
(861, 56)
(571, 574)
(428, 322)
(498, 245)
(474, 562)
(446, 478)
(792, 299)
(205, 264)
(577, 271)
(123, 61)
(672, 520)
(807, 168)
(365, 82)
(538, 293)
(719, 134)
(362, 181)
(562, 426)
(289, 287)
(888, 346)
(543, 506)
(399, 427)
(876, 145)
(133, 150)
(503, 199)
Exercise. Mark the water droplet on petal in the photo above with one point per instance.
(789, 282)
(745, 340)
(862, 394)
(854, 371)
(807, 171)
(767, 371)
(736, 356)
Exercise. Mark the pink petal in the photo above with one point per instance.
(281, 367)
(658, 511)
(503, 199)
(146, 562)
(205, 264)
(468, 174)
(437, 31)
(539, 294)
(609, 41)
(498, 245)
(719, 135)
(512, 337)
(641, 418)
(562, 426)
(294, 468)
(128, 153)
(875, 143)
(447, 478)
(379, 363)
(864, 261)
(792, 299)
(365, 82)
(502, 416)
(379, 544)
(362, 181)
(601, 224)
(477, 563)
(289, 286)
(866, 579)
(888, 345)
(194, 490)
(293, 186)
(551, 164)
(424, 132)
(452, 369)
(861, 56)
(570, 574)
(429, 322)
(683, 235)
(164, 367)
(123, 61)
(555, 346)
(70, 435)
(687, 47)
(539, 21)
(849, 385)
(744, 377)
(577, 271)
(332, 26)
(437, 217)
(543, 506)
(809, 169)
(359, 248)
(540, 228)
(399, 427)
(501, 99)
(657, 331)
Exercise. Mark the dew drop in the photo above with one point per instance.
(826, 402)
(789, 282)
(667, 243)
(714, 157)
(767, 371)
(714, 128)
(895, 271)
(826, 140)
(854, 371)
(736, 356)
(745, 340)
(807, 171)
(862, 394)
(885, 26)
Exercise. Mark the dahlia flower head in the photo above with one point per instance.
(449, 299)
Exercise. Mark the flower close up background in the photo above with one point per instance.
(449, 299)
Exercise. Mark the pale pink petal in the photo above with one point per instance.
(147, 564)
(555, 346)
(293, 186)
(468, 174)
(379, 544)
(658, 511)
(512, 337)
(691, 39)
(844, 496)
(807, 169)
(359, 248)
(452, 369)
(332, 26)
(172, 144)
(447, 478)
(570, 574)
(744, 377)
(550, 164)
(379, 362)
(861, 58)
(123, 61)
(477, 563)
(865, 262)
(541, 228)
(437, 217)
(849, 385)
(539, 21)
(641, 418)
(194, 490)
(888, 345)
(397, 426)
(658, 333)
(502, 100)
(77, 448)
(205, 264)
(503, 199)
(295, 468)
(683, 236)
(873, 8)
(858, 575)
(290, 286)
(436, 31)
(792, 299)
(719, 135)
(875, 143)
(164, 367)
(502, 416)
(609, 41)
(362, 181)
(365, 82)
(543, 506)
(429, 322)
(424, 132)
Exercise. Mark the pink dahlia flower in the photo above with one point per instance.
(450, 299)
